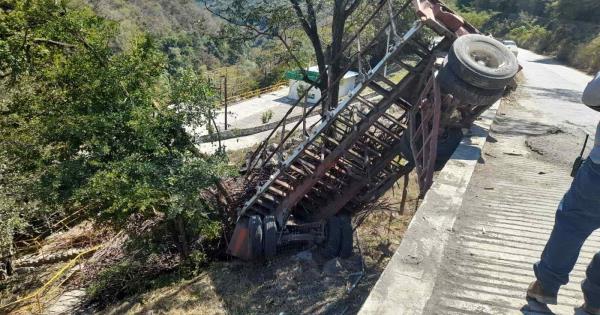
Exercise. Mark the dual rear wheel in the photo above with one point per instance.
(339, 236)
(477, 70)
(263, 236)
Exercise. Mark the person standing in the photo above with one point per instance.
(578, 215)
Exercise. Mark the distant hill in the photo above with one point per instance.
(187, 32)
(191, 36)
(157, 16)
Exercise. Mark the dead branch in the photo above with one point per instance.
(267, 32)
(53, 42)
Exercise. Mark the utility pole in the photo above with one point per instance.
(225, 88)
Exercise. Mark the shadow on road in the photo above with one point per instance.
(506, 125)
(547, 61)
(573, 96)
(534, 308)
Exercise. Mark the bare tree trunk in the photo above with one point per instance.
(308, 21)
(337, 31)
(180, 236)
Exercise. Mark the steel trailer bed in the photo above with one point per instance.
(396, 120)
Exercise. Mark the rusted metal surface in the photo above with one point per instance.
(424, 127)
(303, 187)
(239, 245)
(442, 19)
(354, 187)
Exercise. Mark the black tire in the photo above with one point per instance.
(468, 94)
(405, 148)
(446, 147)
(482, 61)
(256, 236)
(270, 236)
(333, 237)
(347, 236)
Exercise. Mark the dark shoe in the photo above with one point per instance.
(590, 310)
(537, 293)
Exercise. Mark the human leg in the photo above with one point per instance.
(591, 285)
(577, 217)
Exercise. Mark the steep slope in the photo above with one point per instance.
(188, 33)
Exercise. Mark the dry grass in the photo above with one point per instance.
(287, 284)
(195, 296)
(28, 280)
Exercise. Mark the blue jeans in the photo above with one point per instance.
(578, 215)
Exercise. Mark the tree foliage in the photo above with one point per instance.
(193, 37)
(83, 126)
(324, 24)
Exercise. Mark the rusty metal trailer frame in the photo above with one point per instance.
(359, 149)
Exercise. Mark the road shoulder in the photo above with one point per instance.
(409, 279)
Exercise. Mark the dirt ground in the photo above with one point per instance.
(295, 282)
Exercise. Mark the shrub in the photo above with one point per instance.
(477, 18)
(588, 55)
(531, 36)
(83, 126)
(267, 116)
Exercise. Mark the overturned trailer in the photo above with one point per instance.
(406, 113)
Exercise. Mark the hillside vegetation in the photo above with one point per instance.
(569, 29)
(91, 130)
(191, 36)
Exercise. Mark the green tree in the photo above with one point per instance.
(581, 10)
(279, 19)
(85, 127)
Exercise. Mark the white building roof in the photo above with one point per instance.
(348, 74)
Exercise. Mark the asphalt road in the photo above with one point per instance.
(249, 114)
(554, 92)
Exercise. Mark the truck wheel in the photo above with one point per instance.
(450, 83)
(256, 236)
(447, 146)
(347, 236)
(482, 61)
(270, 236)
(333, 236)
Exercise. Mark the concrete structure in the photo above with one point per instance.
(476, 258)
(296, 85)
(411, 274)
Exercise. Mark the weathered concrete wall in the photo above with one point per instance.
(407, 283)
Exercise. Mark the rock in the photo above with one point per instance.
(25, 270)
(333, 267)
(304, 256)
(48, 259)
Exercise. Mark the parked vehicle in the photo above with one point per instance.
(385, 129)
(512, 46)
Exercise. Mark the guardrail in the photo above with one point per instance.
(64, 223)
(40, 296)
(255, 93)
